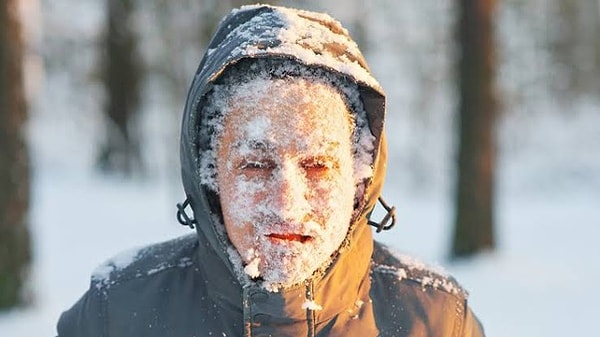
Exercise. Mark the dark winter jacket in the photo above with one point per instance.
(188, 286)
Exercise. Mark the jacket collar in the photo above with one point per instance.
(344, 287)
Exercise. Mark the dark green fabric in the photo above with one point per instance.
(173, 289)
(187, 286)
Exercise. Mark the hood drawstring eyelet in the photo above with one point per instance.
(390, 215)
(183, 218)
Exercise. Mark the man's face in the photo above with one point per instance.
(285, 177)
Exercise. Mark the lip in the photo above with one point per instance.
(289, 237)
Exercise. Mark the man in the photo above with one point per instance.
(283, 159)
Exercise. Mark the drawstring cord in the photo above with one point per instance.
(182, 216)
(390, 215)
(185, 220)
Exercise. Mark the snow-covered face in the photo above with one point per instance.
(285, 177)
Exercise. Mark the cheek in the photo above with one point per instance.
(244, 199)
(238, 202)
(333, 197)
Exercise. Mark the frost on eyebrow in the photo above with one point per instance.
(257, 128)
(251, 145)
(327, 149)
(248, 83)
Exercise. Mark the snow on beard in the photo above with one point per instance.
(285, 177)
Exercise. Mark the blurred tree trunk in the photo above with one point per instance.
(576, 46)
(122, 81)
(14, 159)
(474, 222)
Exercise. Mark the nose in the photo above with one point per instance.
(290, 192)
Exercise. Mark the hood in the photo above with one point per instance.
(312, 39)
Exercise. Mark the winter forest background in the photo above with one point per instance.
(540, 280)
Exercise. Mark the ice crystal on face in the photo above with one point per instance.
(260, 72)
(251, 269)
(296, 153)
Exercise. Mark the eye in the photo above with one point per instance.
(318, 166)
(257, 166)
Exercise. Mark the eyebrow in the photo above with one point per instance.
(265, 145)
(254, 144)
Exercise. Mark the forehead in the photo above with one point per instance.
(279, 111)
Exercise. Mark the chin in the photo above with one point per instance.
(284, 277)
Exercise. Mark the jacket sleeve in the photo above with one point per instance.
(86, 318)
(471, 326)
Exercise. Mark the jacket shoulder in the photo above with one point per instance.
(91, 315)
(407, 269)
(411, 298)
(146, 261)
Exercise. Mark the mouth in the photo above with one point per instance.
(289, 237)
